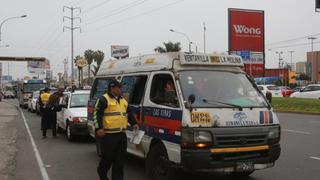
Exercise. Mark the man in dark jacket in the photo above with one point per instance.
(53, 107)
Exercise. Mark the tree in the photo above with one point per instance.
(304, 77)
(89, 55)
(98, 58)
(169, 47)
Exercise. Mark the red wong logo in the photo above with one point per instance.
(244, 31)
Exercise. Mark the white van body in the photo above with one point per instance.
(227, 129)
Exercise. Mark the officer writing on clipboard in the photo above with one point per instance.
(111, 118)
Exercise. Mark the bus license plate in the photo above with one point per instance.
(244, 166)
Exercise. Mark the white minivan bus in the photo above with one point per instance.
(199, 112)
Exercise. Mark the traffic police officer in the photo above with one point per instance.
(43, 101)
(111, 118)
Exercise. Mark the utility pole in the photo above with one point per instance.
(291, 52)
(279, 53)
(71, 28)
(65, 75)
(204, 37)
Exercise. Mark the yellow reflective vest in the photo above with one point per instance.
(45, 98)
(115, 115)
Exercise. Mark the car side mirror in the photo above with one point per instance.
(191, 98)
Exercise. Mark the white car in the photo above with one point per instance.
(275, 90)
(32, 102)
(72, 119)
(311, 91)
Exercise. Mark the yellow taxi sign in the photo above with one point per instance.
(210, 59)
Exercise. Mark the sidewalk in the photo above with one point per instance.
(8, 137)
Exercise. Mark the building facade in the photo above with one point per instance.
(313, 66)
(301, 67)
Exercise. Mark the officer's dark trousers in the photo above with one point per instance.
(49, 119)
(114, 147)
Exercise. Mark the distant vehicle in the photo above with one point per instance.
(296, 89)
(1, 96)
(286, 91)
(311, 91)
(8, 94)
(33, 100)
(275, 90)
(26, 88)
(73, 117)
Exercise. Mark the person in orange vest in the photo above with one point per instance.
(111, 119)
(43, 101)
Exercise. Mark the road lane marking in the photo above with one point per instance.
(298, 132)
(316, 158)
(43, 170)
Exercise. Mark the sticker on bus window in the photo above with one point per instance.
(201, 118)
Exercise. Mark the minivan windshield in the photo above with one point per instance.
(220, 89)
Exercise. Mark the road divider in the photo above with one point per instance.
(43, 170)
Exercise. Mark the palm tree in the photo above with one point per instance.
(89, 55)
(169, 47)
(98, 58)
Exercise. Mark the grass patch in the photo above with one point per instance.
(296, 105)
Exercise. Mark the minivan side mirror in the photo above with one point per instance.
(191, 98)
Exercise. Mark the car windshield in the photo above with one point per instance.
(79, 100)
(36, 95)
(30, 87)
(220, 89)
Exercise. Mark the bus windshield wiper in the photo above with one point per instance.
(224, 103)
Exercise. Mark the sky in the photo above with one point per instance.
(145, 24)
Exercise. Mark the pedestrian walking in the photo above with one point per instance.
(43, 101)
(111, 119)
(52, 108)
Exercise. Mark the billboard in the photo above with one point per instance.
(119, 52)
(246, 30)
(38, 67)
(251, 58)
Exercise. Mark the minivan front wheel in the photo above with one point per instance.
(158, 164)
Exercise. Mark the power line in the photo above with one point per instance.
(294, 39)
(96, 6)
(116, 11)
(138, 15)
(294, 45)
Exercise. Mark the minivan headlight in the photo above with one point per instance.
(274, 132)
(202, 136)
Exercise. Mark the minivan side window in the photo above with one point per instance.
(163, 91)
(133, 88)
(100, 87)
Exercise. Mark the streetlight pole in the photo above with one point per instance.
(184, 36)
(204, 37)
(23, 16)
(279, 53)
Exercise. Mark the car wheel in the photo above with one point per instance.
(69, 134)
(158, 164)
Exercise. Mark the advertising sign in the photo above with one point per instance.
(255, 70)
(251, 57)
(246, 30)
(119, 52)
(81, 62)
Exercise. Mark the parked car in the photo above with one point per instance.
(8, 94)
(32, 102)
(72, 119)
(286, 91)
(275, 90)
(311, 91)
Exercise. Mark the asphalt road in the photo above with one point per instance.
(300, 157)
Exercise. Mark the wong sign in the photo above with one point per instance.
(246, 30)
